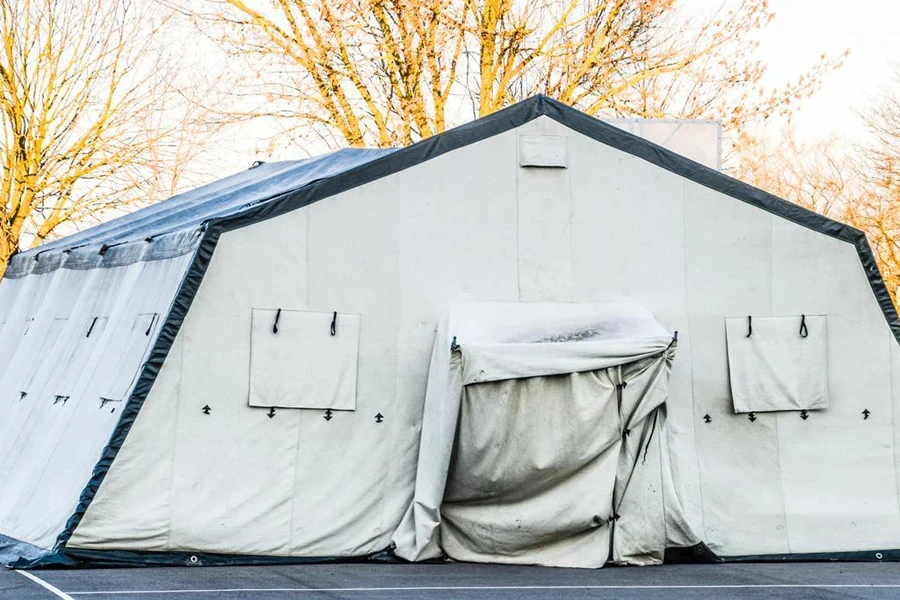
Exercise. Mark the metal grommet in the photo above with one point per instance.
(193, 559)
(878, 555)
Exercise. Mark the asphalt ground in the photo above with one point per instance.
(457, 582)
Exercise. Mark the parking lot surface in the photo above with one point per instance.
(457, 581)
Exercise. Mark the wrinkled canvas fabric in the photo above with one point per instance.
(543, 471)
(524, 456)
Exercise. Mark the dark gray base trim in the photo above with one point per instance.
(17, 554)
(698, 553)
(890, 555)
(93, 559)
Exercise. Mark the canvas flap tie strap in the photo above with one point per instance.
(277, 317)
(334, 324)
(749, 325)
(673, 342)
(620, 384)
(804, 332)
(152, 323)
(650, 437)
(91, 328)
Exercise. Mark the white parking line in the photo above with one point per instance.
(489, 588)
(53, 590)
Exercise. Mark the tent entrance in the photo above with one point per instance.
(543, 439)
(560, 470)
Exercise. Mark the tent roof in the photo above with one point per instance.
(227, 196)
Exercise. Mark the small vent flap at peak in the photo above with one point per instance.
(303, 359)
(778, 363)
(548, 151)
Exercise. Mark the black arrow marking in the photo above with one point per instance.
(328, 416)
(707, 418)
(379, 418)
(206, 409)
(803, 415)
(866, 414)
(271, 412)
(752, 417)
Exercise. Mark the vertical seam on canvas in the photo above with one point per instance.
(787, 536)
(390, 461)
(518, 200)
(306, 242)
(250, 357)
(307, 213)
(397, 353)
(401, 307)
(690, 337)
(787, 533)
(771, 265)
(293, 500)
(168, 544)
(570, 224)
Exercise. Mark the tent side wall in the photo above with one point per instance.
(71, 344)
(472, 225)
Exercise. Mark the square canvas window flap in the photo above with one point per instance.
(127, 351)
(295, 361)
(777, 363)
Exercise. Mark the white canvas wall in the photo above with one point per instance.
(471, 225)
(50, 444)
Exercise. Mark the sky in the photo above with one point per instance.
(803, 29)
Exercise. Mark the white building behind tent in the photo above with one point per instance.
(697, 139)
(465, 347)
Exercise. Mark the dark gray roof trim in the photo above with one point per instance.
(420, 152)
(167, 229)
(162, 247)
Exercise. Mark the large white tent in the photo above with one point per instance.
(463, 348)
